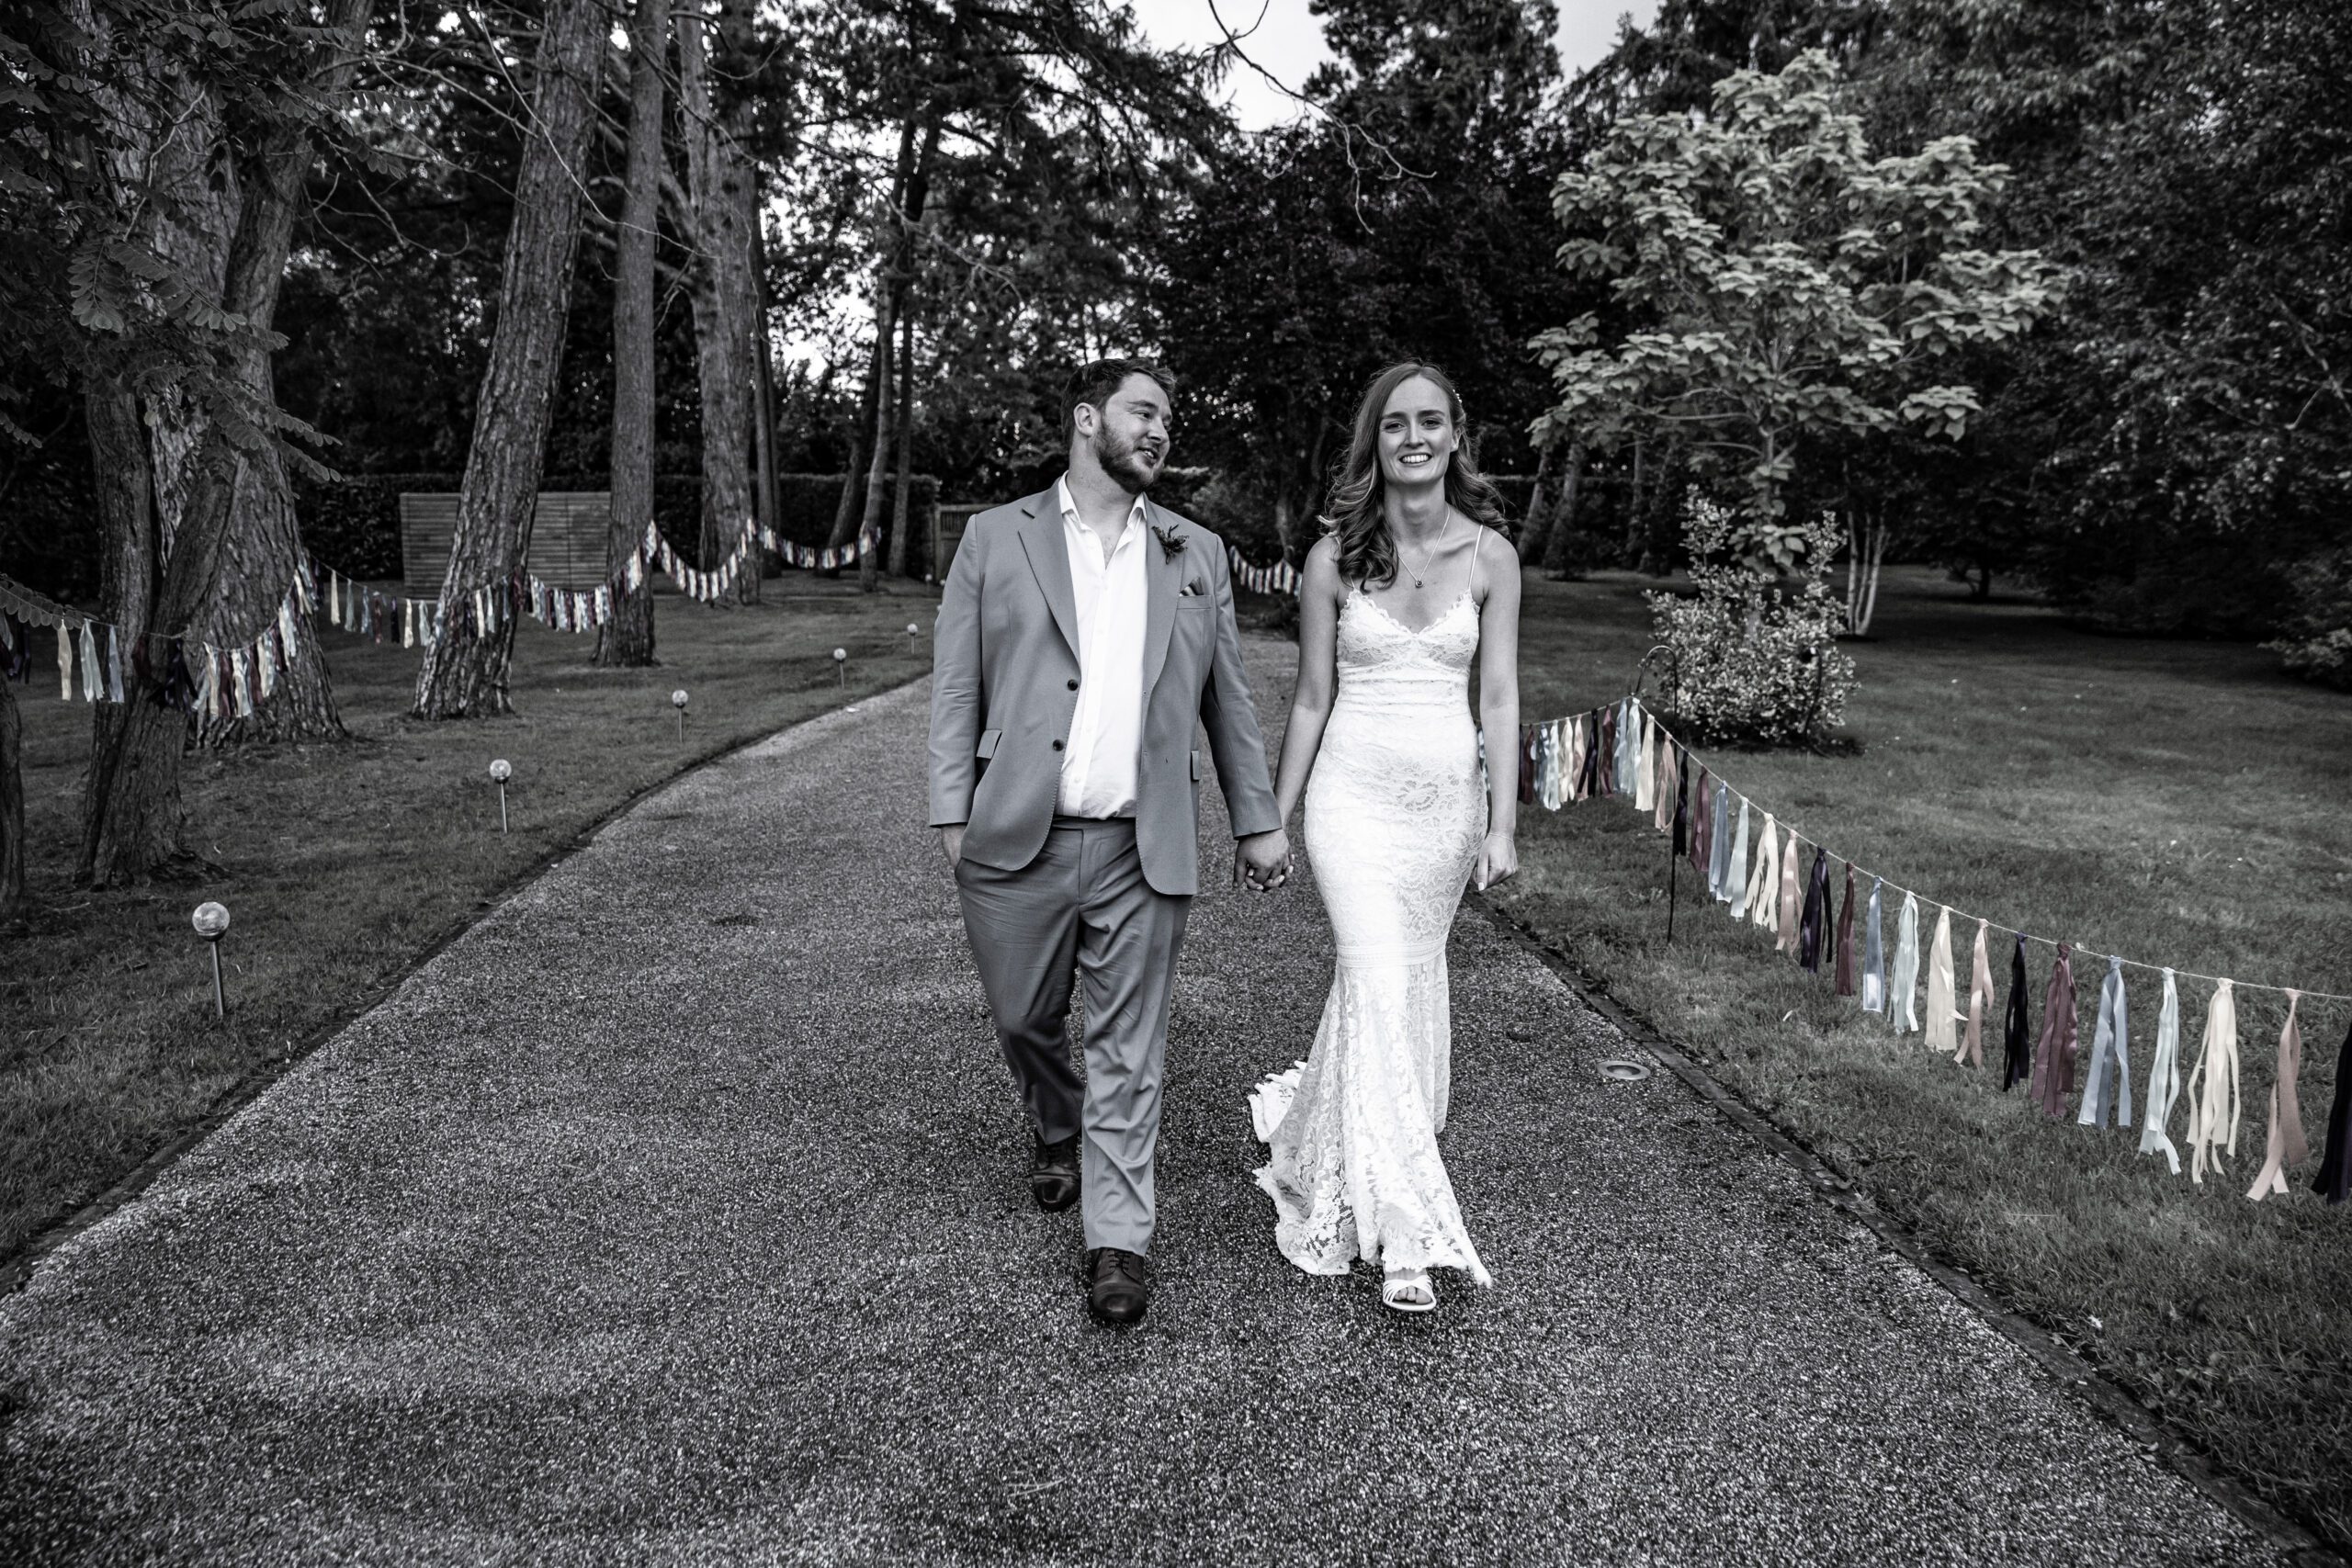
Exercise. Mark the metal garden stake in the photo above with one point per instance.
(211, 922)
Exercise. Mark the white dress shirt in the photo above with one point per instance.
(1106, 732)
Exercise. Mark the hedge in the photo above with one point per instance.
(353, 523)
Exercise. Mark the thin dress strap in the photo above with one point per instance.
(1478, 542)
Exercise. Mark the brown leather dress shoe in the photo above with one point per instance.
(1052, 1175)
(1117, 1289)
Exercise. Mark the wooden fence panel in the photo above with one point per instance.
(568, 530)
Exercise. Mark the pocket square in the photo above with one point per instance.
(1192, 590)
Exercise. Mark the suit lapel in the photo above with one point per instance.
(1163, 573)
(1048, 553)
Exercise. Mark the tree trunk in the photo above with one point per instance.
(846, 513)
(1866, 536)
(132, 817)
(719, 187)
(628, 639)
(902, 428)
(465, 668)
(763, 426)
(1560, 544)
(264, 548)
(912, 188)
(1538, 528)
(12, 797)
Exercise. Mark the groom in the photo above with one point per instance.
(1083, 635)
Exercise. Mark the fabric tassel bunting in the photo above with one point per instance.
(2054, 1067)
(2284, 1144)
(1874, 953)
(1813, 925)
(1645, 767)
(1980, 1002)
(1572, 769)
(1902, 997)
(1763, 900)
(114, 666)
(1943, 1016)
(94, 677)
(1845, 984)
(2017, 1029)
(2107, 1082)
(1720, 845)
(1670, 789)
(1792, 897)
(1703, 819)
(2213, 1087)
(2333, 1181)
(1530, 741)
(2164, 1077)
(1736, 870)
(1681, 843)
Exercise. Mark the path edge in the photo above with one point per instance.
(16, 1271)
(2110, 1399)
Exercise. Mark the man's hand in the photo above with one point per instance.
(951, 839)
(1263, 860)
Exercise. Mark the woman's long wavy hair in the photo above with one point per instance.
(1357, 519)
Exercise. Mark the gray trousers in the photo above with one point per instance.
(1083, 908)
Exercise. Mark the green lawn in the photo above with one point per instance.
(2180, 803)
(342, 864)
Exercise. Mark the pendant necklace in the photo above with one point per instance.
(1425, 553)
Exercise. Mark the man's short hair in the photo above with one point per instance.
(1097, 382)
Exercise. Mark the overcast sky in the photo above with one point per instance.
(1289, 42)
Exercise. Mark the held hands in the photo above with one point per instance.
(1497, 861)
(1263, 860)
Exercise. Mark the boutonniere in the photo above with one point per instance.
(1171, 543)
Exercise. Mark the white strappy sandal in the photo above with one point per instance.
(1409, 1290)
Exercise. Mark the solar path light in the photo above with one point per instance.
(501, 770)
(211, 922)
(678, 701)
(840, 666)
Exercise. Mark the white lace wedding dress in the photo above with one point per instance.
(1395, 810)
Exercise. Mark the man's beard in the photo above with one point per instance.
(1122, 460)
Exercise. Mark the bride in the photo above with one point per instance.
(1408, 587)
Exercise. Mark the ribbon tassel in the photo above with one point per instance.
(1980, 1001)
(2017, 1029)
(2213, 1087)
(2107, 1087)
(1814, 923)
(2164, 1077)
(1764, 881)
(1874, 953)
(2333, 1181)
(1903, 999)
(1845, 984)
(2283, 1144)
(1791, 897)
(1645, 765)
(2053, 1067)
(1942, 1017)
(1734, 878)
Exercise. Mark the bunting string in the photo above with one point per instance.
(1709, 822)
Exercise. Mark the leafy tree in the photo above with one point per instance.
(1402, 219)
(1793, 288)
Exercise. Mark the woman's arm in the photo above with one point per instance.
(1310, 704)
(1498, 710)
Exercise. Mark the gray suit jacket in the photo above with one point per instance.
(1004, 688)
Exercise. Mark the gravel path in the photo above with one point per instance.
(676, 1214)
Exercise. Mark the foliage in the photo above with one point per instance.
(1405, 220)
(2317, 640)
(1787, 287)
(1753, 660)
